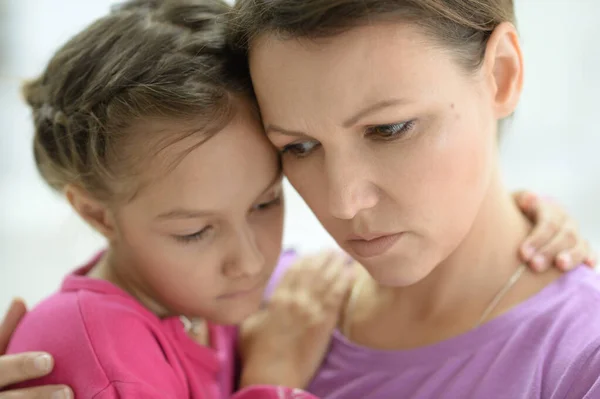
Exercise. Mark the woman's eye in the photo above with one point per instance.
(268, 205)
(301, 149)
(197, 236)
(391, 131)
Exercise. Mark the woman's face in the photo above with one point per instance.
(390, 141)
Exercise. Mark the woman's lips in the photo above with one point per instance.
(368, 248)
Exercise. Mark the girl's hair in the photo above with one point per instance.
(146, 59)
(461, 25)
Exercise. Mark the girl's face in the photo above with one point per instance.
(203, 238)
(390, 141)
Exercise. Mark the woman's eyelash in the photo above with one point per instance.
(390, 131)
(382, 132)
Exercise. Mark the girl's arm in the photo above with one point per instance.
(24, 366)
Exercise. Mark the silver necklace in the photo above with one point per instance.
(502, 293)
(193, 326)
(355, 292)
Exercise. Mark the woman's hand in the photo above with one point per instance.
(25, 366)
(285, 342)
(555, 239)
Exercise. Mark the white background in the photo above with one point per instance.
(552, 146)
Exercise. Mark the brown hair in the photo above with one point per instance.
(463, 25)
(145, 59)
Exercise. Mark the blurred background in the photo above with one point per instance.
(552, 146)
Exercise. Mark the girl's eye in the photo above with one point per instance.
(268, 205)
(198, 236)
(391, 131)
(301, 149)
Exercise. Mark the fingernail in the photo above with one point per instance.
(539, 262)
(64, 393)
(565, 260)
(528, 251)
(43, 363)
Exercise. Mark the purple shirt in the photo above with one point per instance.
(547, 347)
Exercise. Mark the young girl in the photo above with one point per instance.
(159, 149)
(157, 146)
(386, 114)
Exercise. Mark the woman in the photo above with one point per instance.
(551, 247)
(387, 114)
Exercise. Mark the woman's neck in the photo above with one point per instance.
(477, 268)
(454, 296)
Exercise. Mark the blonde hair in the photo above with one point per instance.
(145, 59)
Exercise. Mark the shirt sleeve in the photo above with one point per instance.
(272, 392)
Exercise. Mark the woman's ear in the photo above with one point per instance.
(503, 65)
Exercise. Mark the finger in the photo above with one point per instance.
(591, 260)
(556, 250)
(334, 266)
(24, 366)
(288, 280)
(46, 392)
(549, 224)
(304, 273)
(589, 257)
(15, 313)
(527, 202)
(576, 256)
(285, 292)
(340, 289)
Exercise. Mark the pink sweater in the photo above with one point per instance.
(108, 346)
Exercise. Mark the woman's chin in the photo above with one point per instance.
(400, 273)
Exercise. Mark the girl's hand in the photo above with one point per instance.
(284, 343)
(555, 239)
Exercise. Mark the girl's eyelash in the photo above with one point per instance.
(269, 204)
(199, 235)
(300, 150)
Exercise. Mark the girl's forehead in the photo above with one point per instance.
(236, 162)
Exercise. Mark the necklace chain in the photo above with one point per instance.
(501, 294)
(193, 326)
(355, 292)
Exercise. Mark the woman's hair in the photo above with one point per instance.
(146, 59)
(461, 25)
